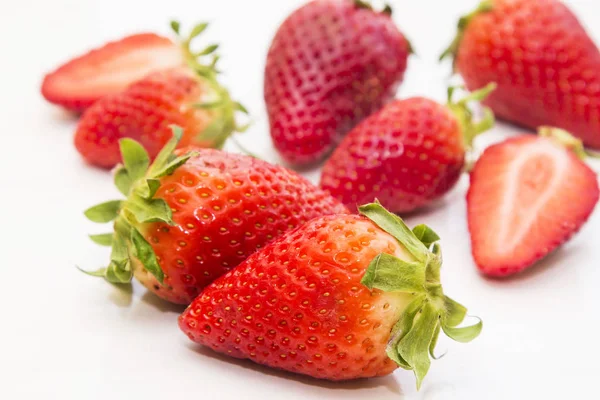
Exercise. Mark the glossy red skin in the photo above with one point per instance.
(406, 155)
(298, 304)
(226, 206)
(546, 67)
(143, 112)
(330, 65)
(563, 213)
(65, 86)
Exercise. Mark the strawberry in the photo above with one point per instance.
(528, 195)
(546, 66)
(193, 215)
(109, 69)
(406, 155)
(342, 297)
(331, 64)
(189, 97)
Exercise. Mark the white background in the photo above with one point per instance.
(68, 336)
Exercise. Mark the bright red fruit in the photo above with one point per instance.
(331, 64)
(528, 195)
(406, 155)
(109, 69)
(342, 297)
(546, 66)
(188, 220)
(189, 97)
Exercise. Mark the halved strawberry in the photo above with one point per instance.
(188, 96)
(528, 195)
(109, 69)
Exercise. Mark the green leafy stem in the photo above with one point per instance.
(221, 104)
(414, 336)
(138, 180)
(483, 7)
(469, 127)
(387, 9)
(567, 140)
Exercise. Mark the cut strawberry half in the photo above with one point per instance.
(109, 69)
(528, 195)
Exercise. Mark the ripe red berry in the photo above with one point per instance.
(407, 155)
(191, 218)
(342, 297)
(546, 66)
(331, 64)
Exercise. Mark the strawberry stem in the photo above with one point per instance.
(452, 50)
(592, 154)
(139, 181)
(414, 336)
(175, 26)
(362, 4)
(224, 111)
(387, 9)
(463, 113)
(565, 139)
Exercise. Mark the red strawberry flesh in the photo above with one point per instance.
(528, 195)
(109, 69)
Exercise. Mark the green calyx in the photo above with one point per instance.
(139, 181)
(387, 9)
(463, 113)
(483, 7)
(414, 336)
(566, 139)
(218, 102)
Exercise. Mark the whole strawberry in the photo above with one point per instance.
(546, 66)
(194, 215)
(188, 96)
(407, 155)
(342, 297)
(528, 195)
(331, 64)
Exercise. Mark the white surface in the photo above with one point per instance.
(68, 336)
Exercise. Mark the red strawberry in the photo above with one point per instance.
(109, 69)
(546, 66)
(188, 220)
(145, 111)
(528, 196)
(406, 155)
(341, 297)
(331, 64)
